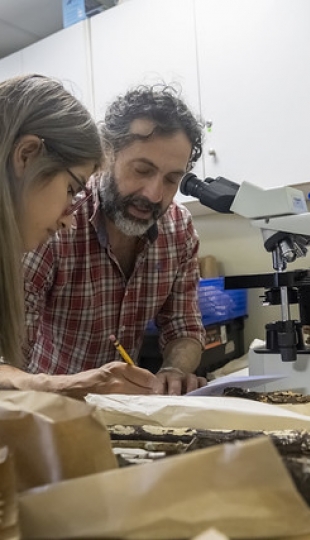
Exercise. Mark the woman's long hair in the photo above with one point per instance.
(33, 105)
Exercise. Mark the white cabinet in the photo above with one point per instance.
(10, 66)
(145, 42)
(244, 65)
(254, 78)
(65, 56)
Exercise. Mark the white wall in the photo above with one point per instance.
(242, 64)
(64, 55)
(145, 42)
(11, 66)
(254, 80)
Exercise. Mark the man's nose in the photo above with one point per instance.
(153, 190)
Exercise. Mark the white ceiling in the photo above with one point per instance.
(23, 22)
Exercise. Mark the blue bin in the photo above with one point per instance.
(217, 304)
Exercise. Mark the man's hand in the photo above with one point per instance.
(181, 357)
(173, 381)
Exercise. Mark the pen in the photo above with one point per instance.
(125, 356)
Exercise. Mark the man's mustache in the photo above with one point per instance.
(143, 203)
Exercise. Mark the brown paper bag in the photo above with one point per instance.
(9, 528)
(52, 437)
(243, 490)
(211, 534)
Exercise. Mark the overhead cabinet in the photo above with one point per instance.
(244, 66)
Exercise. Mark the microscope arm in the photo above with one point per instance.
(293, 224)
(282, 215)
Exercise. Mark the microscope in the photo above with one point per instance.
(282, 216)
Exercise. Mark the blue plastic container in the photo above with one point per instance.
(218, 304)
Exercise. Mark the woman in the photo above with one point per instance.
(49, 146)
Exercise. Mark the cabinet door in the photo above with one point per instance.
(145, 42)
(254, 70)
(64, 55)
(10, 66)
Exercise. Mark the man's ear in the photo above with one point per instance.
(26, 149)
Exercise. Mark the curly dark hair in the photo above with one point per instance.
(159, 103)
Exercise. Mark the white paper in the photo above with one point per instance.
(211, 412)
(216, 387)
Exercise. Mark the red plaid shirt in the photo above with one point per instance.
(77, 295)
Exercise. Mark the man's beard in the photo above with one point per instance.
(116, 208)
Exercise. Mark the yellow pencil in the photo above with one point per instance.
(125, 356)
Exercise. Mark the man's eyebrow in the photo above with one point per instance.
(179, 172)
(144, 160)
(148, 162)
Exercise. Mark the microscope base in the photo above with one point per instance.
(296, 374)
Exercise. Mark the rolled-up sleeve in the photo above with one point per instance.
(180, 316)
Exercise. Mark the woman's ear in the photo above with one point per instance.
(26, 149)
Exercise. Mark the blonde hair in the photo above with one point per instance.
(33, 105)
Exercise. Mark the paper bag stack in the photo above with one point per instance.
(72, 488)
(9, 522)
(45, 438)
(52, 438)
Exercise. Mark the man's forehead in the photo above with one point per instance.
(142, 126)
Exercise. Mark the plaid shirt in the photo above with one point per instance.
(77, 295)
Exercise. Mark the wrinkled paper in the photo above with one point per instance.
(196, 412)
(243, 490)
(9, 524)
(52, 437)
(211, 534)
(240, 490)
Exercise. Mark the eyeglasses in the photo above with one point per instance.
(80, 198)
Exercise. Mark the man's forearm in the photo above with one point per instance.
(183, 354)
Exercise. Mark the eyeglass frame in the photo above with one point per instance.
(88, 193)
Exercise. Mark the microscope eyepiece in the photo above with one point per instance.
(216, 193)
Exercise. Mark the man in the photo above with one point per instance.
(131, 258)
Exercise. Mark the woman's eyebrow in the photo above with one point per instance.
(80, 183)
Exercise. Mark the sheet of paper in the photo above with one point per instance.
(213, 412)
(216, 387)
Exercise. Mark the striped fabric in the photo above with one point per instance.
(77, 295)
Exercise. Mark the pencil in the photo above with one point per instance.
(125, 356)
